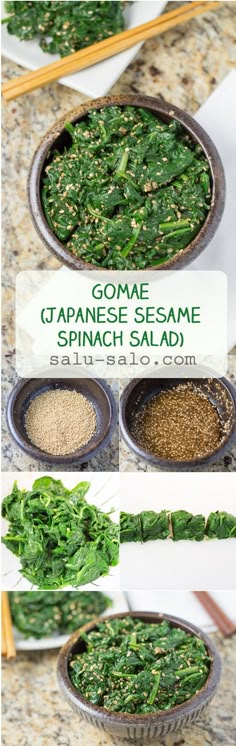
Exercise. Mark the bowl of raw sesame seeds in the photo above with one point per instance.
(61, 421)
(126, 182)
(179, 424)
(140, 675)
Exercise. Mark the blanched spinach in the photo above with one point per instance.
(154, 525)
(187, 526)
(132, 666)
(177, 525)
(129, 192)
(221, 525)
(130, 527)
(145, 526)
(58, 536)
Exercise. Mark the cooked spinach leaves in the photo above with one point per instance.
(58, 536)
(64, 27)
(221, 525)
(41, 614)
(145, 526)
(136, 667)
(130, 527)
(130, 191)
(154, 525)
(187, 526)
(177, 525)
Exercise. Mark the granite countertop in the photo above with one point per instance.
(34, 712)
(183, 66)
(130, 462)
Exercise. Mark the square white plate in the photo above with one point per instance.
(118, 604)
(97, 80)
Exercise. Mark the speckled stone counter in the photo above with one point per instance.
(183, 66)
(130, 462)
(34, 712)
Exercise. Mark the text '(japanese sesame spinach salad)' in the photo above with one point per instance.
(42, 614)
(129, 191)
(64, 27)
(136, 667)
(59, 537)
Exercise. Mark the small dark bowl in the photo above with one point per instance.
(57, 137)
(95, 389)
(219, 391)
(135, 727)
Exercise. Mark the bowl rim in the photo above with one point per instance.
(160, 716)
(228, 441)
(73, 457)
(158, 107)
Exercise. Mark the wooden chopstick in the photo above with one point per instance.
(102, 50)
(4, 641)
(225, 625)
(8, 645)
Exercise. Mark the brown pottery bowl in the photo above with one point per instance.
(58, 138)
(219, 391)
(94, 389)
(136, 727)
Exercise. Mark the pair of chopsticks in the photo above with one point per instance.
(8, 645)
(103, 49)
(224, 624)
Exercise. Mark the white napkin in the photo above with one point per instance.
(218, 117)
(183, 604)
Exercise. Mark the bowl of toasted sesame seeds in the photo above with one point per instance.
(126, 182)
(179, 424)
(140, 675)
(61, 421)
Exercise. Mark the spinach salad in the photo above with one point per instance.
(177, 525)
(132, 666)
(42, 614)
(64, 27)
(59, 537)
(128, 190)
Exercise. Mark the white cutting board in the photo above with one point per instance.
(167, 565)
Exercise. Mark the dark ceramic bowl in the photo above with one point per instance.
(95, 389)
(57, 137)
(219, 391)
(135, 727)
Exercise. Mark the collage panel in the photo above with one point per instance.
(58, 532)
(50, 424)
(179, 424)
(178, 531)
(85, 679)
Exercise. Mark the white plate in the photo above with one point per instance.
(103, 493)
(97, 80)
(119, 604)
